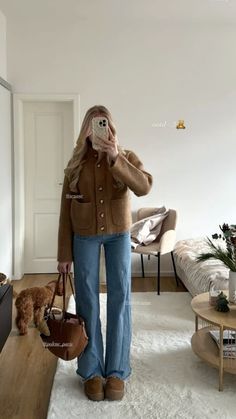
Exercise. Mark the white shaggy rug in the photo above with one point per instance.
(168, 380)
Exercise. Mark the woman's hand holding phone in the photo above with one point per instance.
(109, 146)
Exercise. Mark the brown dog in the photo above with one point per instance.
(31, 302)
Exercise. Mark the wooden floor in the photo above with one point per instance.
(27, 369)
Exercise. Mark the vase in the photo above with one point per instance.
(232, 286)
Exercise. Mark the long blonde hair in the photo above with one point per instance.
(76, 162)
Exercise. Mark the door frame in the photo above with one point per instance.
(19, 193)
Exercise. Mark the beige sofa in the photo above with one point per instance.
(198, 277)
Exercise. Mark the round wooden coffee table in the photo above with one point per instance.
(202, 343)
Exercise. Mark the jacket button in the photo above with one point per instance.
(102, 228)
(100, 188)
(101, 201)
(102, 214)
(95, 155)
(98, 165)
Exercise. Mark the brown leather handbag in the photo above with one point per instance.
(68, 338)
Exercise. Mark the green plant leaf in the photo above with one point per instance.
(225, 256)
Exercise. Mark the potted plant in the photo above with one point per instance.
(227, 255)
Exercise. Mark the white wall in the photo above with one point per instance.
(148, 73)
(3, 44)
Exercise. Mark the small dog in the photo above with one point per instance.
(31, 302)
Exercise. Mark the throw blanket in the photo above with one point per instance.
(199, 277)
(147, 230)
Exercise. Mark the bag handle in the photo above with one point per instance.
(73, 292)
(64, 278)
(54, 294)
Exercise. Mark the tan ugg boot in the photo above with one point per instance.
(93, 388)
(114, 388)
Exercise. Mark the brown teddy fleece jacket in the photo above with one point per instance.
(100, 207)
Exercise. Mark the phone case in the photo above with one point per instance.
(100, 127)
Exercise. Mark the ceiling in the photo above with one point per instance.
(175, 11)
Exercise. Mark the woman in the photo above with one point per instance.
(95, 211)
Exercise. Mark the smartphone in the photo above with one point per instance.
(99, 129)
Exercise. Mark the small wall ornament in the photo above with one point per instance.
(180, 124)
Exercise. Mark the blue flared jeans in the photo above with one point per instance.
(86, 253)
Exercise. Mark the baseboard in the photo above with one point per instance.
(152, 273)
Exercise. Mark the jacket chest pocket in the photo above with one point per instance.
(81, 214)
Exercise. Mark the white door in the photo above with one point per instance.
(48, 145)
(5, 183)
